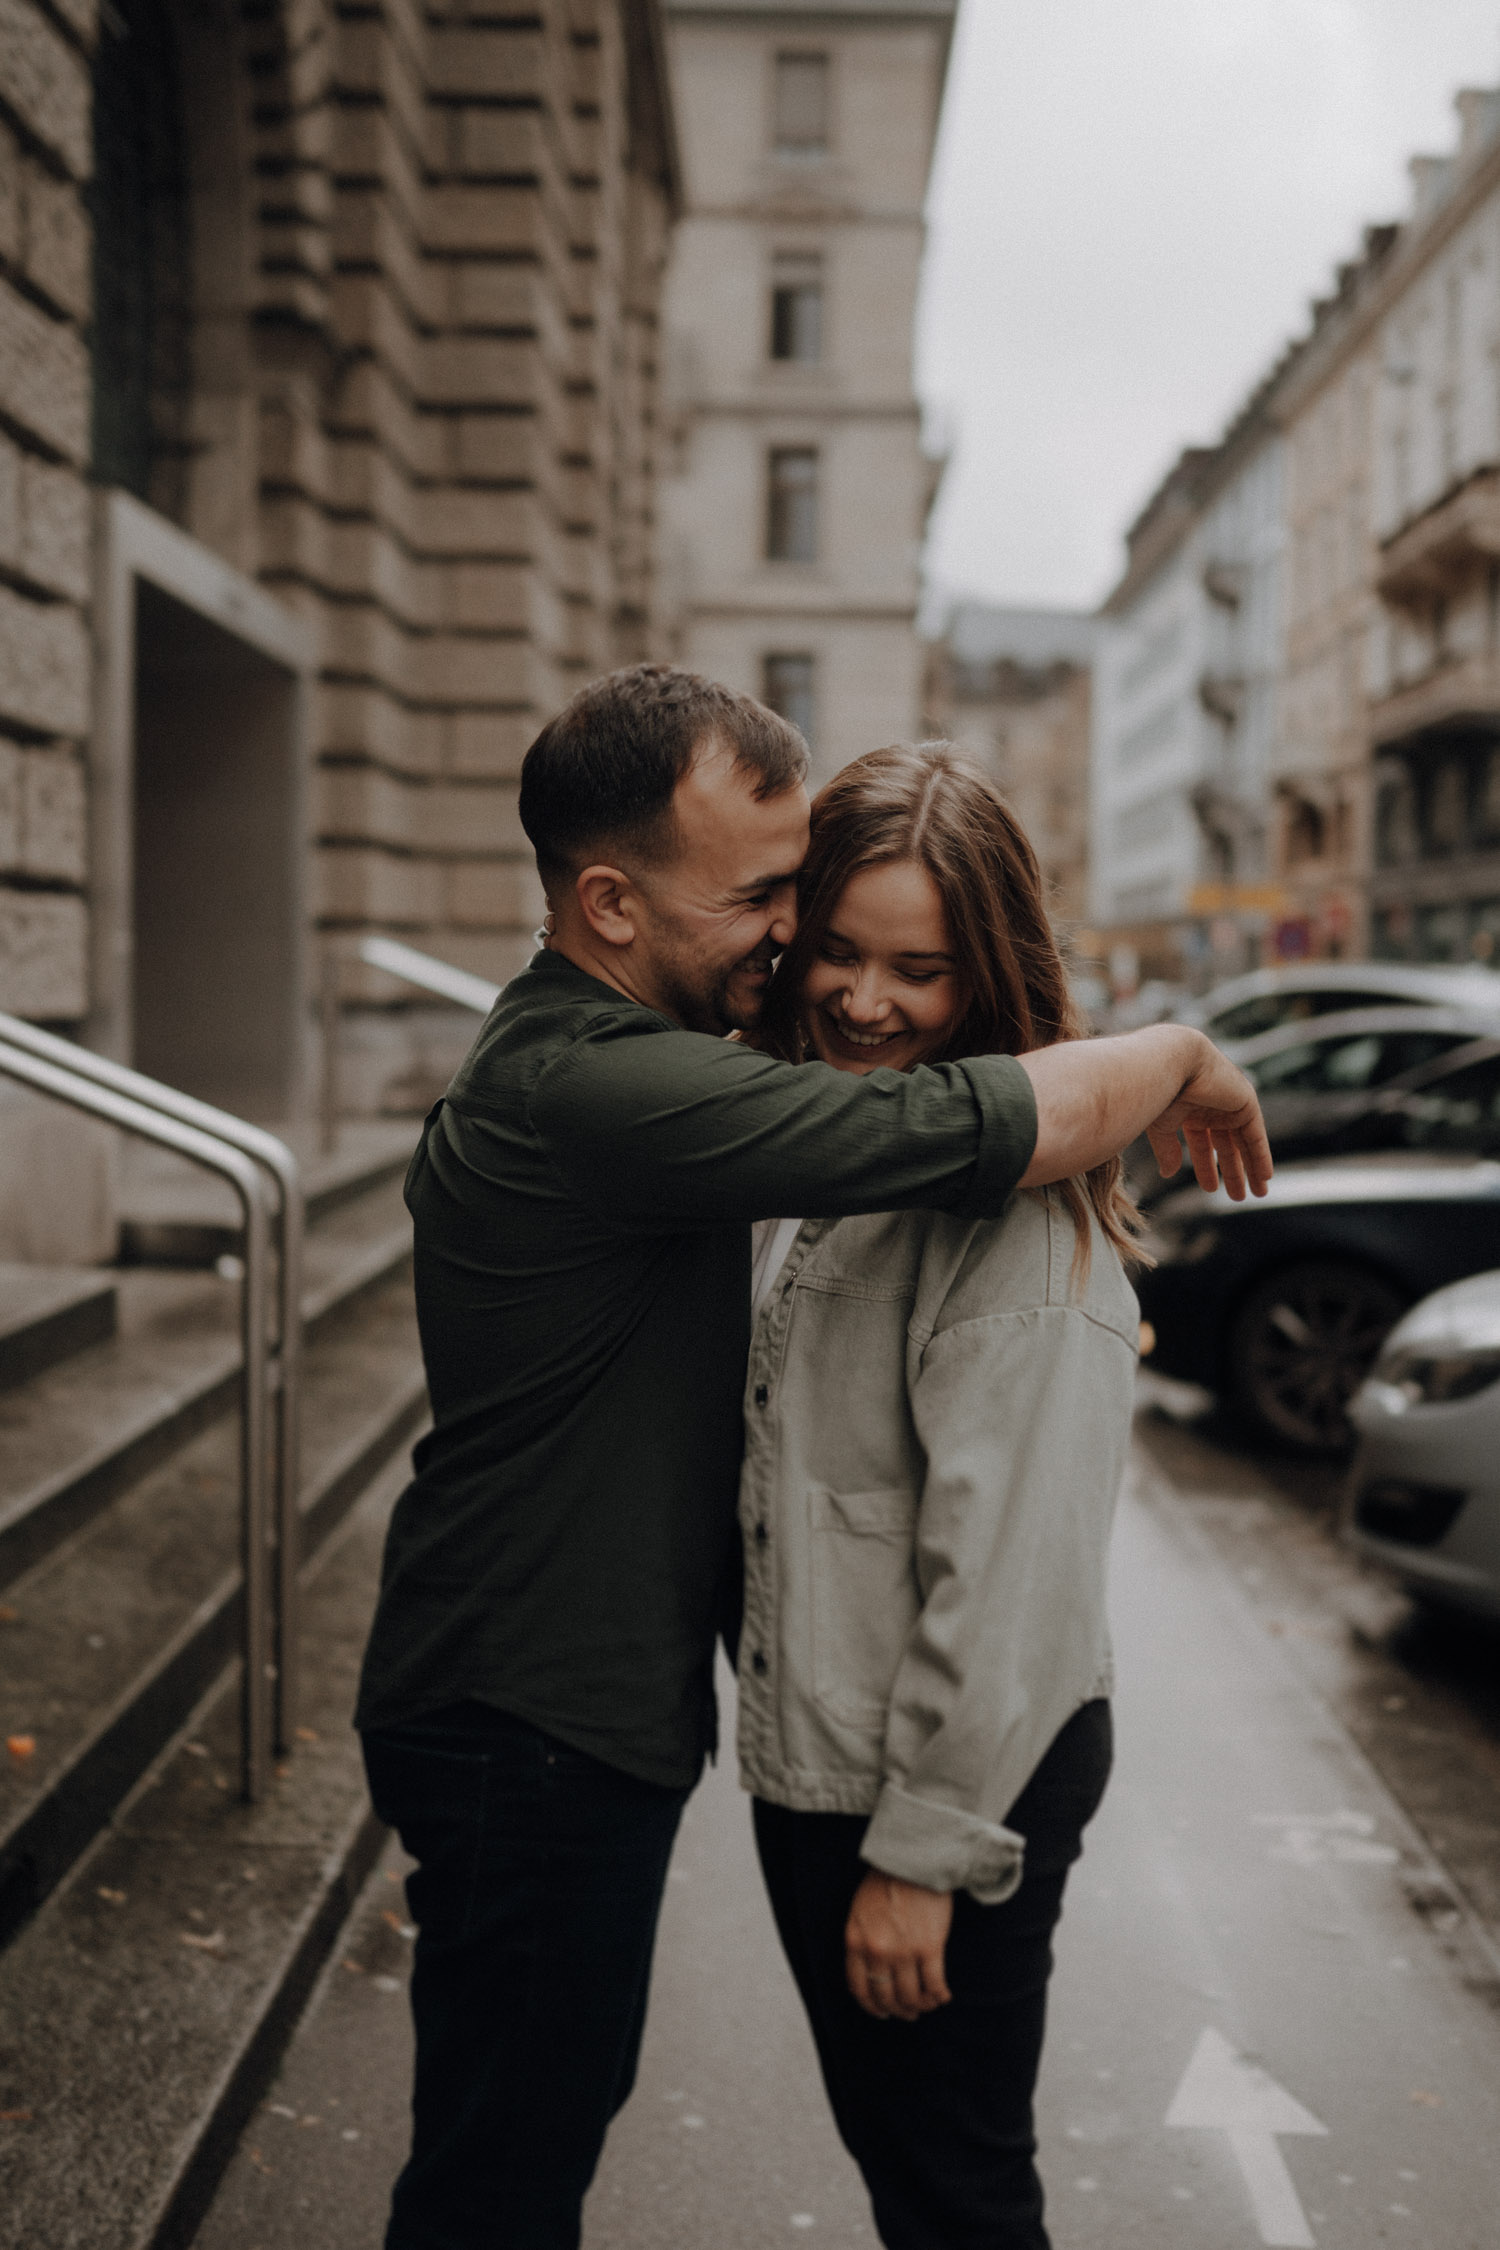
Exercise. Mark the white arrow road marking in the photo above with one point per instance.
(1223, 2093)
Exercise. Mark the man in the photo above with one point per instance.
(537, 1698)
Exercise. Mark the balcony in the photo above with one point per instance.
(1444, 549)
(1459, 688)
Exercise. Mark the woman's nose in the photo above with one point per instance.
(864, 1002)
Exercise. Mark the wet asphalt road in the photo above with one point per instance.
(1276, 2019)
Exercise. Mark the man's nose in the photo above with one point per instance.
(783, 920)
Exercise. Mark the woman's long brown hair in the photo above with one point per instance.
(935, 805)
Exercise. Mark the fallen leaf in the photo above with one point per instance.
(357, 1967)
(1428, 2101)
(7, 1614)
(196, 1749)
(402, 1929)
(21, 1745)
(308, 1734)
(279, 2109)
(213, 1943)
(15, 2116)
(116, 1898)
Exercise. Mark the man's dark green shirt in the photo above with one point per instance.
(582, 1200)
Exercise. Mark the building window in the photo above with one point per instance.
(792, 505)
(801, 108)
(787, 686)
(797, 308)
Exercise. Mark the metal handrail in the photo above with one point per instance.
(429, 973)
(232, 1164)
(285, 1372)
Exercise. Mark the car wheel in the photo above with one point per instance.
(1302, 1344)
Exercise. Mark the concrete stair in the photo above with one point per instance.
(119, 1603)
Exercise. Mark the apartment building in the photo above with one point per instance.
(1186, 711)
(1013, 685)
(796, 488)
(328, 367)
(1320, 768)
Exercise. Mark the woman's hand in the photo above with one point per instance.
(893, 1947)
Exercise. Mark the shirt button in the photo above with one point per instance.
(761, 1535)
(761, 1394)
(758, 1661)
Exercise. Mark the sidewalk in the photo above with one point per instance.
(1272, 2022)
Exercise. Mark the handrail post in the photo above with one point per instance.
(277, 1160)
(82, 1089)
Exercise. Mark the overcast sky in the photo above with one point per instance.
(1133, 202)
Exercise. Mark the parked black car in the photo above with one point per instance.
(1336, 1086)
(1280, 1305)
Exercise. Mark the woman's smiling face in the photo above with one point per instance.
(882, 991)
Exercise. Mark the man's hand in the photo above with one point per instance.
(1095, 1096)
(893, 1947)
(1218, 1115)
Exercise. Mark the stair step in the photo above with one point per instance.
(146, 2006)
(81, 1432)
(47, 1313)
(109, 1642)
(172, 1213)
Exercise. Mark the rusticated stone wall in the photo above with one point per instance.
(44, 521)
(415, 398)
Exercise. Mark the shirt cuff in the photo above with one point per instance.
(942, 1848)
(1007, 1133)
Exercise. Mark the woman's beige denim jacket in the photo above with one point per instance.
(937, 1415)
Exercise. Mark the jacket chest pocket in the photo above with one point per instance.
(864, 1598)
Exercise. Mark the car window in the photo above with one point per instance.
(1461, 1111)
(1351, 1063)
(1320, 1066)
(1408, 1050)
(1273, 1009)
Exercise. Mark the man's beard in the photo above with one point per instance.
(712, 1008)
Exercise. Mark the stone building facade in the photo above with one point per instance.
(328, 377)
(1013, 685)
(1321, 810)
(797, 488)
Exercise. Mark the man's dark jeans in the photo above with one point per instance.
(938, 2113)
(539, 1879)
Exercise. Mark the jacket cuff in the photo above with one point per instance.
(941, 1848)
(1007, 1134)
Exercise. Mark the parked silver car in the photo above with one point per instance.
(1424, 1495)
(1244, 1007)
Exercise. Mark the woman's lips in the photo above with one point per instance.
(864, 1041)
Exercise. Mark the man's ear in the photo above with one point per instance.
(607, 903)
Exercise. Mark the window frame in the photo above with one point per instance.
(782, 543)
(800, 151)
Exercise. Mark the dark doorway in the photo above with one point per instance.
(218, 839)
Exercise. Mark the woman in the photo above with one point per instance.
(937, 1413)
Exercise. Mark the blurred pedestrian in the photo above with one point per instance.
(937, 1415)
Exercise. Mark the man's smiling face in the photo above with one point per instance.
(714, 914)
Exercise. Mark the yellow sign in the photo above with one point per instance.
(1236, 898)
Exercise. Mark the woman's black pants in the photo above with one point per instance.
(938, 2113)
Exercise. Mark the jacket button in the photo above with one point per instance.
(761, 1394)
(758, 1661)
(761, 1535)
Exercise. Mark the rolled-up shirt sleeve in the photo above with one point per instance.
(660, 1128)
(1022, 1417)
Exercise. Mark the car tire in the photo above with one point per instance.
(1302, 1343)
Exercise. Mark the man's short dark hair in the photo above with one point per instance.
(601, 774)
